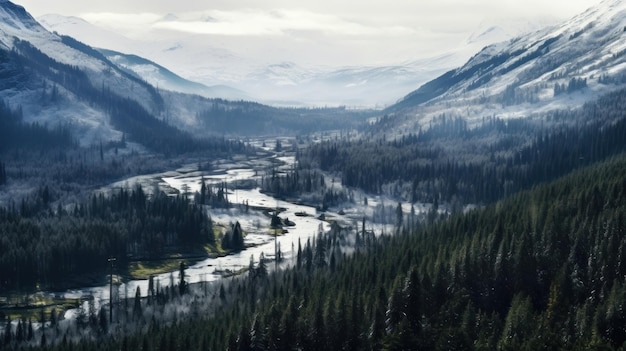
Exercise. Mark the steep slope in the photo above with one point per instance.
(47, 76)
(562, 66)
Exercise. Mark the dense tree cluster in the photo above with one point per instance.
(3, 174)
(514, 95)
(250, 118)
(573, 85)
(14, 133)
(216, 197)
(233, 238)
(306, 184)
(521, 154)
(541, 269)
(49, 247)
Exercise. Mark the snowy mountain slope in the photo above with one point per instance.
(34, 65)
(277, 83)
(561, 66)
(187, 56)
(57, 80)
(17, 23)
(365, 86)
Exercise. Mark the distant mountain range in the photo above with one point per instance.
(285, 83)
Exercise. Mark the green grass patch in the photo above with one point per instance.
(31, 306)
(277, 231)
(144, 269)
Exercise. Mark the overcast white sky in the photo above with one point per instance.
(321, 31)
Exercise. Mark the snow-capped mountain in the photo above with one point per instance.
(561, 66)
(189, 57)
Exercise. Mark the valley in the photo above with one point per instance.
(484, 210)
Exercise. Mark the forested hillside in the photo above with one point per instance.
(125, 114)
(15, 134)
(251, 118)
(542, 269)
(452, 162)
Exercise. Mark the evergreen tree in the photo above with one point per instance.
(182, 284)
(3, 174)
(137, 310)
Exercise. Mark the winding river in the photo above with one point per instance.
(258, 239)
(256, 224)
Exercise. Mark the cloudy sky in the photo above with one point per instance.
(321, 31)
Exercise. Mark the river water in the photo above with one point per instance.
(259, 239)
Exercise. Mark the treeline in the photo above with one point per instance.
(542, 269)
(307, 185)
(251, 118)
(452, 162)
(46, 247)
(3, 174)
(573, 85)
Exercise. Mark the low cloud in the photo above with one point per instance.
(121, 19)
(274, 23)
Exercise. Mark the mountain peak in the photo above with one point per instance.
(15, 8)
(13, 15)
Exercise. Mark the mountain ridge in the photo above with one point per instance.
(561, 66)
